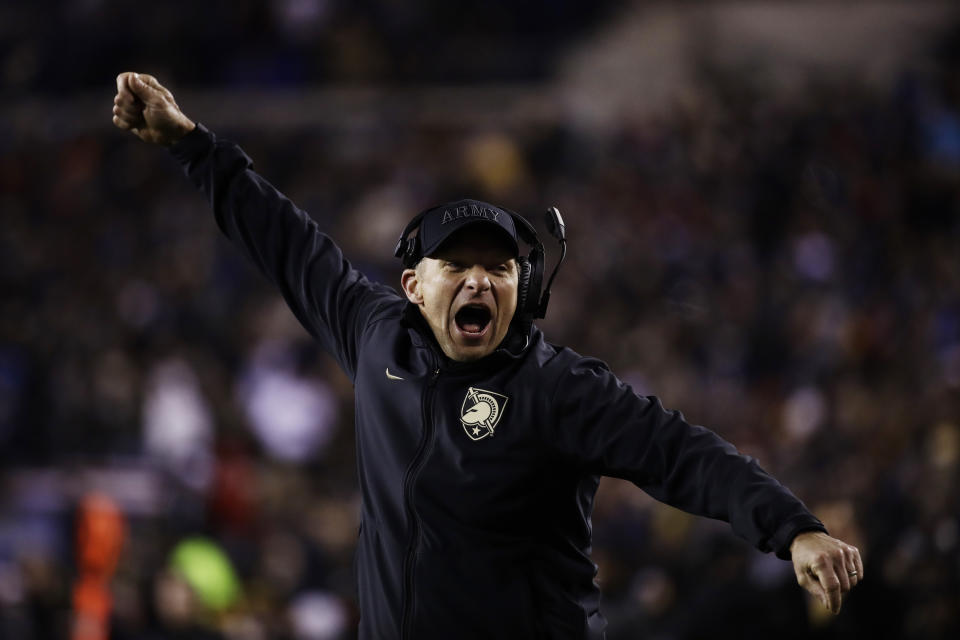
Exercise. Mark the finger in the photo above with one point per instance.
(121, 110)
(130, 119)
(127, 123)
(857, 562)
(830, 584)
(120, 123)
(127, 112)
(842, 572)
(808, 581)
(127, 99)
(850, 566)
(154, 84)
(123, 84)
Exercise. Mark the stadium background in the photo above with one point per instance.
(762, 206)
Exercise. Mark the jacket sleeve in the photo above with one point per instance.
(331, 299)
(610, 430)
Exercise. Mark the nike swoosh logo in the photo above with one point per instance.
(390, 376)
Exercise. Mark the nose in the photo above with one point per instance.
(477, 279)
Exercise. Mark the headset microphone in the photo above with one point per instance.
(559, 231)
(555, 224)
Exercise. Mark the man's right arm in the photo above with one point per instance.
(332, 300)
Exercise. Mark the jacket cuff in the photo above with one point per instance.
(193, 144)
(783, 538)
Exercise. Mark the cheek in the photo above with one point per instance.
(436, 302)
(508, 301)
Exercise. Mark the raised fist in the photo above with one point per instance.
(145, 107)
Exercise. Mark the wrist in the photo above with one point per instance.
(183, 127)
(802, 536)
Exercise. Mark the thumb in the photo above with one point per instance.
(146, 88)
(819, 592)
(123, 83)
(809, 580)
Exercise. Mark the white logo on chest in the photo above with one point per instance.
(481, 412)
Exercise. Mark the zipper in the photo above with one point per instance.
(409, 481)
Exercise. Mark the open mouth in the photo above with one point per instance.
(473, 319)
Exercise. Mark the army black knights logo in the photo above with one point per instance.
(481, 412)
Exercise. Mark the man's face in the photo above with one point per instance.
(467, 291)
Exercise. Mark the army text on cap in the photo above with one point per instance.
(469, 211)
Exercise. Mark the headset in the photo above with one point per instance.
(531, 303)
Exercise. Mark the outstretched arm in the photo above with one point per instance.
(610, 430)
(330, 298)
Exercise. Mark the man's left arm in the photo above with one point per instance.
(610, 430)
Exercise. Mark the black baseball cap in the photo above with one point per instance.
(442, 221)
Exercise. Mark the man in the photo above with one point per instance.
(480, 445)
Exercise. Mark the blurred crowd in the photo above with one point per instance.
(784, 271)
(51, 46)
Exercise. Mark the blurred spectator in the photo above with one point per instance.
(293, 417)
(177, 425)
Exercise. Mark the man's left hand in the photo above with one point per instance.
(826, 567)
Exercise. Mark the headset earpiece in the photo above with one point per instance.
(531, 307)
(523, 284)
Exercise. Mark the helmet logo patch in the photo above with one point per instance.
(481, 412)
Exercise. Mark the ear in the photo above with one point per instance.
(411, 286)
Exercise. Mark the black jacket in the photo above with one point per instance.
(478, 478)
